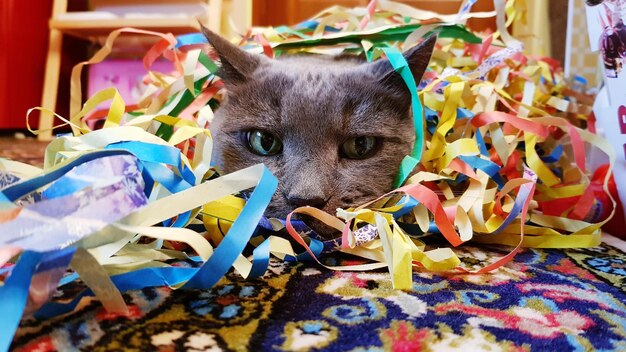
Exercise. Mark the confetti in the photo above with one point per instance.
(501, 141)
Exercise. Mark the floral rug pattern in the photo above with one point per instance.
(561, 300)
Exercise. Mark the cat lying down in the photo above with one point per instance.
(333, 130)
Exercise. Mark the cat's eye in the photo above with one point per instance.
(359, 147)
(263, 143)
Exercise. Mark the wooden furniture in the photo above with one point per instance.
(220, 16)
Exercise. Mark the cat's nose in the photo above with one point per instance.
(298, 200)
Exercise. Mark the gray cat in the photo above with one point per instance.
(332, 129)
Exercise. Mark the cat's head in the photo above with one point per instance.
(333, 130)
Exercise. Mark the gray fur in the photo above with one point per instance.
(314, 104)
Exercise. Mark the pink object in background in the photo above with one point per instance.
(124, 74)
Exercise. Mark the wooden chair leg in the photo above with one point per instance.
(51, 83)
(239, 16)
(215, 15)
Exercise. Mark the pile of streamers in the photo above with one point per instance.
(501, 146)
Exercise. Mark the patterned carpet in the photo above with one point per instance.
(556, 300)
(27, 150)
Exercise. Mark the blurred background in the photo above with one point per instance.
(61, 33)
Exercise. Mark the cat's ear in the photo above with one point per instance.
(416, 57)
(236, 64)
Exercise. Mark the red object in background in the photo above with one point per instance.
(24, 38)
(617, 225)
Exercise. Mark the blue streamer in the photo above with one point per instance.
(14, 295)
(487, 166)
(556, 154)
(431, 117)
(261, 259)
(462, 113)
(315, 246)
(238, 236)
(310, 24)
(157, 153)
(190, 39)
(518, 206)
(56, 259)
(3, 198)
(481, 144)
(152, 157)
(409, 204)
(21, 189)
(163, 175)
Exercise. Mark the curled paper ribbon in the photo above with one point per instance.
(499, 158)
